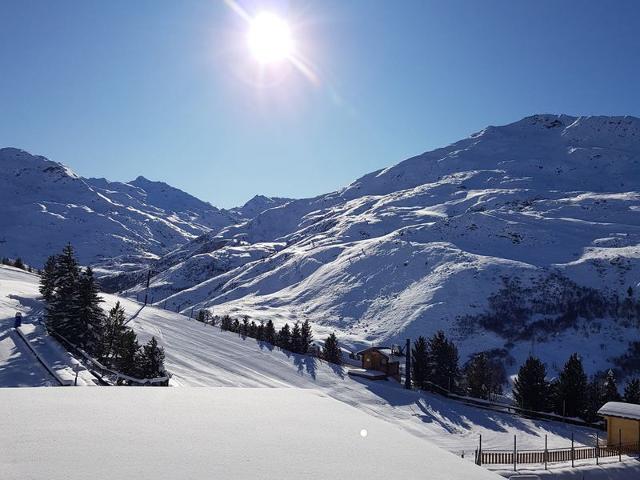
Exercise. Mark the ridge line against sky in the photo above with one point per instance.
(167, 89)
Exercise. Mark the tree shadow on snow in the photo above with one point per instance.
(305, 363)
(452, 416)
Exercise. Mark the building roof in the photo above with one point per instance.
(620, 409)
(386, 351)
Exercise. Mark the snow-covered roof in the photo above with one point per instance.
(620, 409)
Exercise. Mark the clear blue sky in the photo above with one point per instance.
(163, 89)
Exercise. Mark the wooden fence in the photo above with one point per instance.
(518, 457)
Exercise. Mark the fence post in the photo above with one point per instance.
(572, 451)
(515, 454)
(546, 452)
(619, 444)
(597, 449)
(480, 451)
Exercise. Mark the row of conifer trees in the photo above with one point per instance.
(296, 339)
(435, 365)
(73, 312)
(572, 394)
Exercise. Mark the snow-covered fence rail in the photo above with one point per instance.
(47, 367)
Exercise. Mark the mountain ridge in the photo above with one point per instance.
(545, 204)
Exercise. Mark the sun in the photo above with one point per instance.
(269, 38)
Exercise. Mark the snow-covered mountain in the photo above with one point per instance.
(44, 205)
(520, 238)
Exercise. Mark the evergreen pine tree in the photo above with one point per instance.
(572, 388)
(331, 350)
(478, 376)
(443, 361)
(226, 323)
(152, 364)
(18, 263)
(244, 328)
(284, 337)
(253, 329)
(296, 338)
(235, 326)
(126, 359)
(90, 315)
(610, 392)
(114, 328)
(270, 333)
(593, 398)
(260, 331)
(420, 363)
(63, 309)
(48, 278)
(307, 336)
(530, 388)
(632, 391)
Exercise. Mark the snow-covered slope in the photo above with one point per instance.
(521, 237)
(44, 205)
(202, 355)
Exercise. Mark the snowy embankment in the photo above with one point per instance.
(28, 356)
(230, 433)
(18, 366)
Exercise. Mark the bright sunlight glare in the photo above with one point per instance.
(269, 38)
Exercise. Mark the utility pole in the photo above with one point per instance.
(407, 365)
(146, 293)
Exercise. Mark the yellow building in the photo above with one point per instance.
(623, 422)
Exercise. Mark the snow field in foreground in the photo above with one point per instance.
(198, 433)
